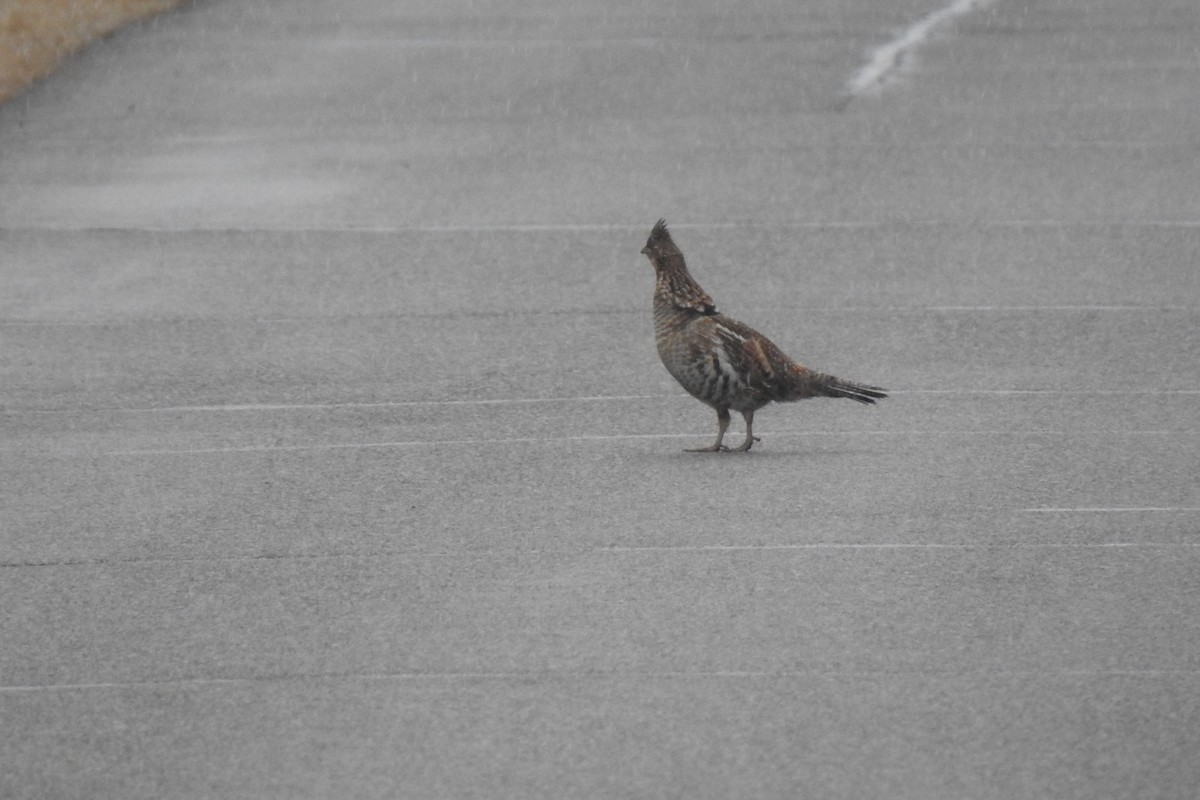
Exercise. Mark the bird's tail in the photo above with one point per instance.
(818, 384)
(836, 387)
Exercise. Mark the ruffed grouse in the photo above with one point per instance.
(720, 361)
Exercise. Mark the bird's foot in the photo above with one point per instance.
(745, 446)
(712, 448)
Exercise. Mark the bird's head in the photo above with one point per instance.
(659, 246)
(673, 282)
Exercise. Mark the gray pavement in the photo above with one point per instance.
(337, 460)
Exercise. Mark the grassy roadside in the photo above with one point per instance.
(36, 35)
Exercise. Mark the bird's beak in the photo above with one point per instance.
(646, 250)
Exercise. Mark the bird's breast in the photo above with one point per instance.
(703, 366)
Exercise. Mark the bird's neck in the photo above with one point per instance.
(674, 286)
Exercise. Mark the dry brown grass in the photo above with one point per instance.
(36, 35)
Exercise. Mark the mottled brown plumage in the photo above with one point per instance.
(724, 363)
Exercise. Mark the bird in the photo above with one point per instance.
(723, 363)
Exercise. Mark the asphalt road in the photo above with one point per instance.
(337, 460)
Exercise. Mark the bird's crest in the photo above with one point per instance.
(660, 242)
(660, 232)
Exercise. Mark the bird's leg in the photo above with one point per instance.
(750, 437)
(722, 424)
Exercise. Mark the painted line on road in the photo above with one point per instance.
(398, 444)
(395, 404)
(597, 399)
(1060, 307)
(521, 227)
(591, 675)
(892, 59)
(1113, 510)
(200, 321)
(133, 561)
(1097, 392)
(269, 407)
(211, 321)
(511, 45)
(719, 548)
(609, 437)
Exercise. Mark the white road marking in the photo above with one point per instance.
(1114, 510)
(518, 227)
(1062, 307)
(127, 322)
(395, 404)
(269, 407)
(891, 59)
(136, 561)
(1067, 392)
(592, 675)
(617, 437)
(900, 546)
